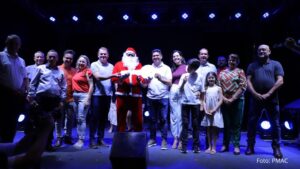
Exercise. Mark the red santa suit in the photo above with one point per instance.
(129, 95)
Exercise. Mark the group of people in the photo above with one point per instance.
(212, 98)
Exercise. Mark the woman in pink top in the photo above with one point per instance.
(82, 84)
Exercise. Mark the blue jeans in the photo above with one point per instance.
(100, 109)
(194, 110)
(67, 120)
(158, 109)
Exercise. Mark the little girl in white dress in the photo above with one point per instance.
(213, 118)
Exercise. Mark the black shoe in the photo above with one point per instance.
(249, 150)
(93, 145)
(50, 148)
(196, 150)
(183, 150)
(58, 142)
(224, 149)
(102, 143)
(68, 140)
(277, 152)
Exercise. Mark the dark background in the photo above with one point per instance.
(221, 36)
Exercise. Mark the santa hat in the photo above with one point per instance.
(130, 49)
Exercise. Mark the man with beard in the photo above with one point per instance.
(128, 93)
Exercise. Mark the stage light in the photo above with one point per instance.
(266, 15)
(212, 15)
(265, 125)
(125, 17)
(75, 18)
(154, 16)
(184, 16)
(100, 17)
(288, 131)
(146, 113)
(288, 125)
(21, 118)
(21, 122)
(265, 130)
(52, 19)
(238, 15)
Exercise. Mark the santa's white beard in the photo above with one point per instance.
(130, 62)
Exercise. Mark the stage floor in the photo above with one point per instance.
(67, 157)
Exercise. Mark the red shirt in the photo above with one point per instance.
(68, 73)
(80, 82)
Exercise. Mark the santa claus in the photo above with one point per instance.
(128, 93)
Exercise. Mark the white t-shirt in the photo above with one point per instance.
(191, 88)
(204, 69)
(102, 87)
(157, 89)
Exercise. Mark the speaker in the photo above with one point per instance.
(129, 150)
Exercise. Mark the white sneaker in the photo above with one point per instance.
(164, 145)
(79, 144)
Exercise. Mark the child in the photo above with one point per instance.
(213, 118)
(112, 116)
(190, 86)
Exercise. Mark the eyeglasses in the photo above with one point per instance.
(130, 54)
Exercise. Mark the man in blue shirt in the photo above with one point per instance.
(264, 78)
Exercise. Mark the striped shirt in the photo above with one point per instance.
(232, 80)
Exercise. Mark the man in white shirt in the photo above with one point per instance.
(158, 98)
(205, 66)
(12, 87)
(203, 69)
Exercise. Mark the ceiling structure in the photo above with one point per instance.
(169, 12)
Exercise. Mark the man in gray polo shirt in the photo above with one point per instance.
(264, 78)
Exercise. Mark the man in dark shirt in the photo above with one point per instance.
(264, 77)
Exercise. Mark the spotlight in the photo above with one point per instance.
(154, 16)
(146, 113)
(75, 18)
(212, 15)
(52, 19)
(21, 122)
(265, 129)
(21, 118)
(125, 17)
(288, 125)
(287, 130)
(265, 125)
(238, 15)
(184, 16)
(266, 15)
(100, 17)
